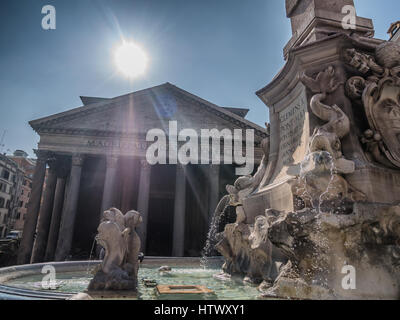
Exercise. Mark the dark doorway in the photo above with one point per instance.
(160, 227)
(89, 207)
(160, 222)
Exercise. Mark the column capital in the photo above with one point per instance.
(52, 162)
(42, 155)
(77, 159)
(112, 161)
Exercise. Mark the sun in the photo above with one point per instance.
(130, 60)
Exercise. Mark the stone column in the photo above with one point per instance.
(61, 172)
(179, 212)
(69, 212)
(109, 184)
(143, 200)
(25, 250)
(213, 190)
(46, 209)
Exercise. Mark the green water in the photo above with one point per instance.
(224, 289)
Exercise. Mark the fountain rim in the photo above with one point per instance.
(18, 271)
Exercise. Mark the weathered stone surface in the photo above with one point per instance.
(319, 245)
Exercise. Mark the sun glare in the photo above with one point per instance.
(131, 60)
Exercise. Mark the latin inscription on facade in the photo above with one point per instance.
(118, 144)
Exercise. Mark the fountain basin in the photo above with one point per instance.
(24, 282)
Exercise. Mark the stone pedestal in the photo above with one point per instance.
(69, 212)
(25, 250)
(178, 243)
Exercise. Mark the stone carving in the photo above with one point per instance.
(382, 107)
(362, 62)
(120, 265)
(327, 137)
(378, 90)
(246, 185)
(388, 54)
(320, 176)
(301, 252)
(249, 253)
(319, 245)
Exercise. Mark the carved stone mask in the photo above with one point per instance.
(382, 106)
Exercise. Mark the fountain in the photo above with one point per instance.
(118, 276)
(328, 198)
(325, 198)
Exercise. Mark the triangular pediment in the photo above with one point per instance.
(138, 112)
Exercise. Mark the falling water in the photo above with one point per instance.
(90, 255)
(332, 172)
(303, 178)
(211, 237)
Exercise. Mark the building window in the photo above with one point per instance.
(6, 174)
(2, 202)
(20, 204)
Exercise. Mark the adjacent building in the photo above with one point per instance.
(27, 167)
(96, 159)
(15, 186)
(394, 31)
(9, 187)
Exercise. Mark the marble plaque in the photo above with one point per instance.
(293, 135)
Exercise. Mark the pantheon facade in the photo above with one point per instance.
(95, 159)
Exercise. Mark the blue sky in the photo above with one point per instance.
(221, 50)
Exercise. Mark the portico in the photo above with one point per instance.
(96, 159)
